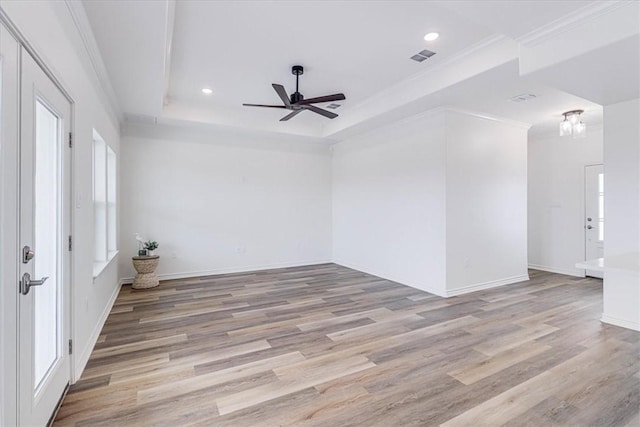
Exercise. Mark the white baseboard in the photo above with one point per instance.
(188, 274)
(565, 271)
(82, 359)
(620, 322)
(352, 266)
(486, 285)
(438, 292)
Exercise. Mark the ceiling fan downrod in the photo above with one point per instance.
(297, 70)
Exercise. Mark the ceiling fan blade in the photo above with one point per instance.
(282, 93)
(328, 98)
(327, 114)
(290, 115)
(261, 105)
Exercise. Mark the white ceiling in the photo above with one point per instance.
(617, 67)
(360, 48)
(491, 93)
(131, 36)
(514, 18)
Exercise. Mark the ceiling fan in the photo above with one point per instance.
(297, 103)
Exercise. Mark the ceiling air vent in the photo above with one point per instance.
(522, 97)
(422, 55)
(332, 106)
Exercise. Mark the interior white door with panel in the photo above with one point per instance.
(44, 274)
(594, 215)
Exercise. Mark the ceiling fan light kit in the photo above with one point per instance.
(296, 102)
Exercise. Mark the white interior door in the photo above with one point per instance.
(594, 215)
(44, 273)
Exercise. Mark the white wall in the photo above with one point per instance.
(388, 202)
(49, 28)
(622, 178)
(556, 198)
(220, 201)
(621, 300)
(486, 197)
(437, 202)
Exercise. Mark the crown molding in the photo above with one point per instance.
(168, 43)
(435, 112)
(81, 21)
(136, 125)
(404, 121)
(490, 117)
(570, 21)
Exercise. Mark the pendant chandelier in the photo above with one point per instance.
(573, 125)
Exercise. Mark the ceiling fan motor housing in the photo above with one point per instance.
(296, 96)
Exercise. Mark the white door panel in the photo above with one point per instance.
(44, 215)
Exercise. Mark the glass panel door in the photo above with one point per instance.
(47, 241)
(44, 365)
(594, 215)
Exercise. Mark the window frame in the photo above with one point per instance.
(104, 199)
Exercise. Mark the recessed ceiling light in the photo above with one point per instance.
(431, 36)
(207, 91)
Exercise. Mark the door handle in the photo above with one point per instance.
(26, 283)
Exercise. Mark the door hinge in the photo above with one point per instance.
(70, 139)
(70, 243)
(70, 346)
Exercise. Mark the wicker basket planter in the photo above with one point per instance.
(146, 268)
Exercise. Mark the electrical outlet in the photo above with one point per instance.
(466, 263)
(241, 249)
(174, 254)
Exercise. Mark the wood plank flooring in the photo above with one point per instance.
(329, 346)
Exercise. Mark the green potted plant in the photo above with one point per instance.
(151, 247)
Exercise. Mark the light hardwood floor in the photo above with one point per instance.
(326, 345)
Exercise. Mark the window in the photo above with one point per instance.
(104, 204)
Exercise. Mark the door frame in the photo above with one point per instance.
(9, 156)
(10, 263)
